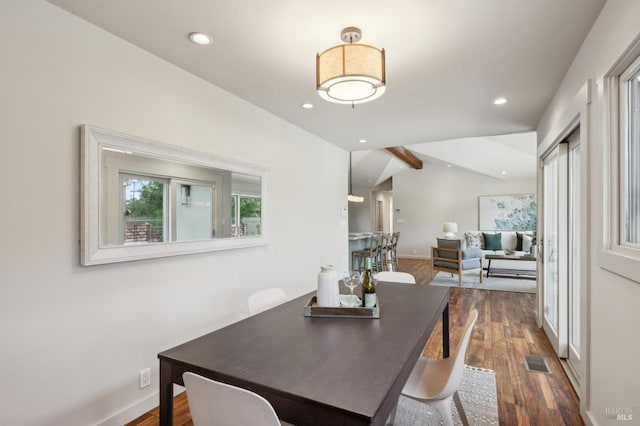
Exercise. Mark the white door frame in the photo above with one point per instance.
(577, 113)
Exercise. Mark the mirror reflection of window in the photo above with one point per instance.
(144, 200)
(194, 212)
(246, 211)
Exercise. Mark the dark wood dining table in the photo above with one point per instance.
(317, 371)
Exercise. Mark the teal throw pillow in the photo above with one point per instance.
(492, 241)
(519, 241)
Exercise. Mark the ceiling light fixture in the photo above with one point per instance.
(350, 73)
(351, 197)
(500, 101)
(200, 38)
(362, 141)
(307, 106)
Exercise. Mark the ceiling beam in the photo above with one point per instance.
(405, 155)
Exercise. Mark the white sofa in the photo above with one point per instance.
(508, 241)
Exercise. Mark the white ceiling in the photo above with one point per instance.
(446, 60)
(505, 157)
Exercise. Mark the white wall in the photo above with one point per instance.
(614, 347)
(74, 338)
(360, 213)
(429, 197)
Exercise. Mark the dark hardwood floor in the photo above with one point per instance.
(505, 332)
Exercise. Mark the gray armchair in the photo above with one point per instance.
(450, 257)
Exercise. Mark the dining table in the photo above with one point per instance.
(317, 370)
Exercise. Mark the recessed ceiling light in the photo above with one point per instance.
(307, 106)
(448, 165)
(504, 172)
(500, 101)
(362, 141)
(200, 38)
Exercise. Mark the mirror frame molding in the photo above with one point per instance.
(91, 253)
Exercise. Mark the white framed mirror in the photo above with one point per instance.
(142, 199)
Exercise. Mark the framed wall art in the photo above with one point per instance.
(507, 212)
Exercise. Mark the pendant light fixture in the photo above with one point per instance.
(350, 73)
(351, 197)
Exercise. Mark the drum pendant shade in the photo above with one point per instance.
(350, 73)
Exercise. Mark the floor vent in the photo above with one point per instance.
(536, 363)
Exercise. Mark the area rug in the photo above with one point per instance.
(522, 285)
(478, 396)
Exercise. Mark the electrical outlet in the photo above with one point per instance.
(144, 377)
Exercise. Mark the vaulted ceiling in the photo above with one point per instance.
(446, 60)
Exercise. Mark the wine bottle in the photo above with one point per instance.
(368, 287)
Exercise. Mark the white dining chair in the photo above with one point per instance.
(212, 403)
(396, 277)
(436, 381)
(264, 299)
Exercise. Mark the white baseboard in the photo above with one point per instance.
(588, 418)
(413, 256)
(132, 412)
(136, 409)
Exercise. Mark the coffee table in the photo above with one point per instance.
(512, 257)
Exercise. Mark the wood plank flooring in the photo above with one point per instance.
(505, 332)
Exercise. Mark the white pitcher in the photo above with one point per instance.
(328, 290)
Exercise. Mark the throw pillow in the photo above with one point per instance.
(519, 241)
(526, 243)
(474, 253)
(473, 240)
(492, 241)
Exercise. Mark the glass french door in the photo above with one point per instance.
(554, 269)
(561, 248)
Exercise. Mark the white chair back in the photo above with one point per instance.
(396, 277)
(454, 378)
(214, 403)
(436, 381)
(265, 299)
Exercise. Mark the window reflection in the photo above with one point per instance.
(194, 212)
(246, 211)
(142, 199)
(145, 206)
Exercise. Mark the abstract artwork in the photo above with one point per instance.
(507, 212)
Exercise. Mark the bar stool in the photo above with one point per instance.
(358, 258)
(375, 252)
(383, 258)
(393, 251)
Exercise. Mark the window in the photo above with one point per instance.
(621, 251)
(629, 150)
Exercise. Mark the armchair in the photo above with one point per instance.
(450, 257)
